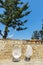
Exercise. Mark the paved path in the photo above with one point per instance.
(32, 62)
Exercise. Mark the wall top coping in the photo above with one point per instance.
(22, 39)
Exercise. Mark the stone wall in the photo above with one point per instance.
(6, 47)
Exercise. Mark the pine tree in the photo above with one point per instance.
(15, 10)
(41, 31)
(35, 35)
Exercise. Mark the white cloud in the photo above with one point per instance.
(10, 36)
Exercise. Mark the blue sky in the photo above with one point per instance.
(34, 21)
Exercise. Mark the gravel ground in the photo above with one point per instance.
(22, 62)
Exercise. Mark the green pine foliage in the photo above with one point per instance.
(38, 34)
(15, 10)
(35, 35)
(41, 31)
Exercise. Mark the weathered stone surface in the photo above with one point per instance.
(6, 47)
(22, 62)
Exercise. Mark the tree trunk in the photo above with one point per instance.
(5, 32)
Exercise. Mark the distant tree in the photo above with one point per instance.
(11, 17)
(41, 32)
(38, 34)
(35, 35)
